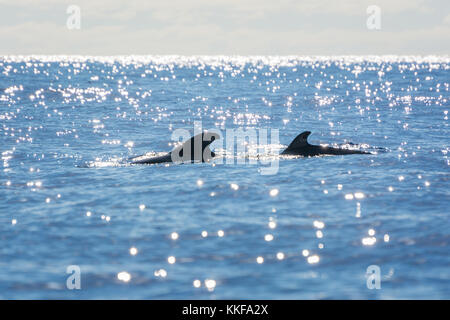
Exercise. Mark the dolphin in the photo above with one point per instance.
(196, 149)
(300, 147)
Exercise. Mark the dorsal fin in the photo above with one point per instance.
(195, 148)
(300, 141)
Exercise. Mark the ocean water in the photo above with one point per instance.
(224, 230)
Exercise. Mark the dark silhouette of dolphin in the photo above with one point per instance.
(300, 147)
(196, 149)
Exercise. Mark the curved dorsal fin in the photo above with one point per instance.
(300, 141)
(195, 148)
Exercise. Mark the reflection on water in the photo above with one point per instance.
(69, 196)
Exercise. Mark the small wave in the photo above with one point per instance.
(360, 147)
(223, 60)
(102, 163)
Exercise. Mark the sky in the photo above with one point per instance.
(225, 27)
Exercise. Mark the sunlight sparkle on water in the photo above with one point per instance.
(197, 283)
(171, 259)
(124, 276)
(274, 192)
(210, 284)
(369, 241)
(318, 224)
(313, 259)
(358, 210)
(160, 273)
(359, 195)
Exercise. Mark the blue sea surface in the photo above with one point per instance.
(218, 230)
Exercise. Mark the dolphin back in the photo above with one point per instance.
(300, 146)
(151, 160)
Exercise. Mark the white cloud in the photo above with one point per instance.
(447, 20)
(225, 27)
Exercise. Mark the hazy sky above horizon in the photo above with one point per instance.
(228, 27)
